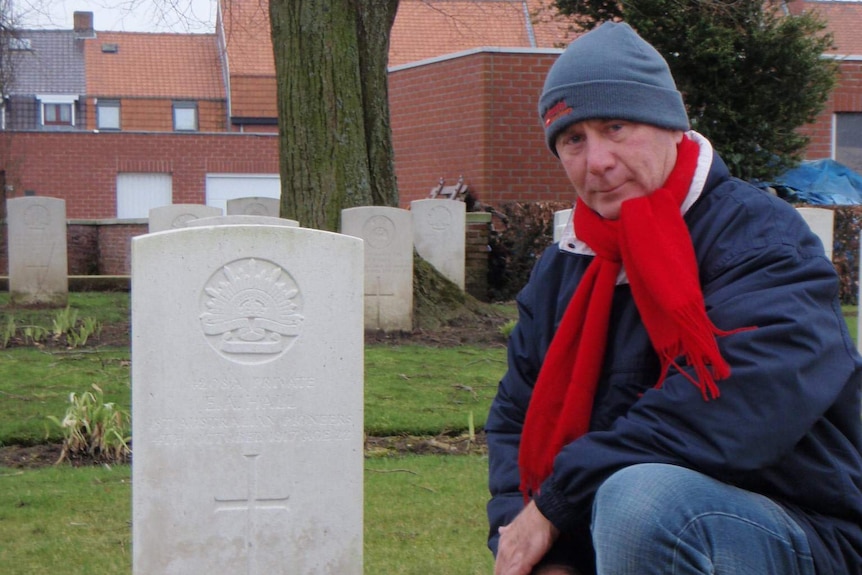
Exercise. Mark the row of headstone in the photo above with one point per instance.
(37, 248)
(38, 260)
(436, 228)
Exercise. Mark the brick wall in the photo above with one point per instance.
(82, 168)
(474, 116)
(846, 97)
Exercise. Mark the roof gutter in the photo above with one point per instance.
(528, 22)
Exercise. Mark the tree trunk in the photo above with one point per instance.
(375, 19)
(330, 64)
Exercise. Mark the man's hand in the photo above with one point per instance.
(524, 542)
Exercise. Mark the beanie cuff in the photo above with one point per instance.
(612, 100)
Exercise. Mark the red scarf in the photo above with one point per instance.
(651, 241)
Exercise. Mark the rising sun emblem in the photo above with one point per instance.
(251, 311)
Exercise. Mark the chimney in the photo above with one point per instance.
(83, 24)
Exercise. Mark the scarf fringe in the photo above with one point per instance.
(698, 345)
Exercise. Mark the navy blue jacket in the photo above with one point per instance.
(787, 423)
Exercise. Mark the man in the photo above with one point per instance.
(682, 393)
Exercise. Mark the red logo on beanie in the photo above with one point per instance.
(556, 111)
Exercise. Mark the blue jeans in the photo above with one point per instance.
(667, 520)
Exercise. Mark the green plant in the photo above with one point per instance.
(7, 332)
(506, 328)
(76, 333)
(77, 337)
(95, 428)
(64, 321)
(33, 334)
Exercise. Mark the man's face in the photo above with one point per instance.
(609, 161)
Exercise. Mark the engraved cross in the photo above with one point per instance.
(377, 294)
(250, 503)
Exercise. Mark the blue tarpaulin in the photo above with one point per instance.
(819, 182)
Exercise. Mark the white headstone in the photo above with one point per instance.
(859, 300)
(388, 236)
(439, 234)
(822, 223)
(247, 398)
(242, 220)
(175, 216)
(38, 258)
(258, 206)
(561, 221)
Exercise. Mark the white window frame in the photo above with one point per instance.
(181, 106)
(101, 106)
(57, 99)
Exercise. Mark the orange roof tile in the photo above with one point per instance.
(430, 28)
(154, 65)
(423, 29)
(247, 36)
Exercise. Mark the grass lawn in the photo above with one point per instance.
(424, 514)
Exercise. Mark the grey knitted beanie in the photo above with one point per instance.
(610, 72)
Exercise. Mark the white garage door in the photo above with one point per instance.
(137, 194)
(224, 187)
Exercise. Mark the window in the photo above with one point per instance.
(58, 114)
(20, 43)
(848, 140)
(57, 110)
(185, 116)
(108, 115)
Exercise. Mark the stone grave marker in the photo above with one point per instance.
(242, 219)
(561, 221)
(247, 398)
(254, 206)
(439, 235)
(37, 252)
(388, 236)
(822, 223)
(859, 310)
(176, 215)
